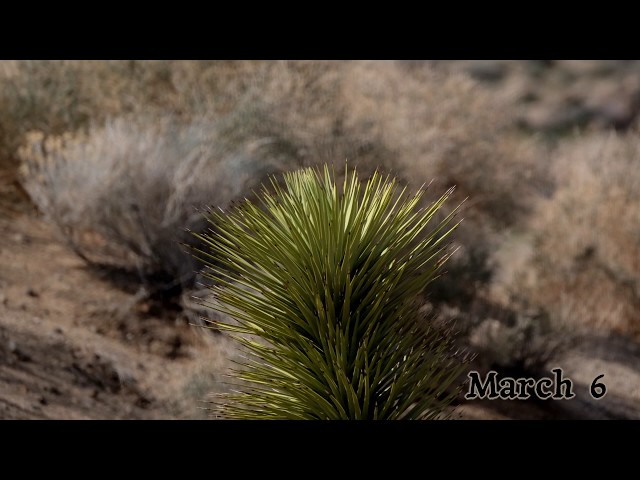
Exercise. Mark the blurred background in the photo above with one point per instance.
(105, 164)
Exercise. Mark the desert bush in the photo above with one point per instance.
(122, 193)
(583, 255)
(322, 285)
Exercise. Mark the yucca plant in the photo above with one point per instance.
(322, 284)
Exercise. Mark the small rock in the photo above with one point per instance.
(32, 293)
(3, 298)
(43, 401)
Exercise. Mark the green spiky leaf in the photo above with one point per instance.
(322, 283)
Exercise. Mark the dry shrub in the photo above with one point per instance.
(122, 194)
(584, 256)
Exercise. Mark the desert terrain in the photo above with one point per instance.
(104, 164)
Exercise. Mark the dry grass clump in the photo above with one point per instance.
(583, 264)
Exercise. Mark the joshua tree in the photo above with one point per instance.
(322, 286)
